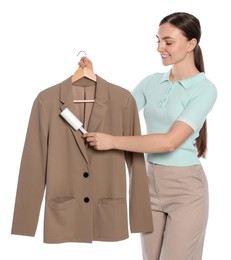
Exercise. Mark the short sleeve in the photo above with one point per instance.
(198, 106)
(139, 96)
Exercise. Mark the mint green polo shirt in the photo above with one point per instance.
(164, 102)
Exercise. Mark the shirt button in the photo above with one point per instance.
(85, 174)
(86, 199)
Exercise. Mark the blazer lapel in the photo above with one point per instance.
(66, 97)
(99, 107)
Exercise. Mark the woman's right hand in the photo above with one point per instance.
(100, 141)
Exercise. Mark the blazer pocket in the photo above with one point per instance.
(112, 219)
(60, 219)
(61, 202)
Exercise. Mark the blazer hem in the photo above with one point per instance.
(69, 240)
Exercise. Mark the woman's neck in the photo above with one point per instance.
(183, 71)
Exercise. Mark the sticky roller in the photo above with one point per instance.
(72, 120)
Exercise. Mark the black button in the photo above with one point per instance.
(85, 174)
(86, 199)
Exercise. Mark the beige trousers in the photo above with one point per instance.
(179, 201)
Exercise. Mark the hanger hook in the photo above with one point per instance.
(80, 52)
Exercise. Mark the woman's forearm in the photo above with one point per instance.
(153, 143)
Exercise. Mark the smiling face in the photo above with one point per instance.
(173, 46)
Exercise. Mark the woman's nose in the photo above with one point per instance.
(160, 47)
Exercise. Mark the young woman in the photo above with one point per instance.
(176, 104)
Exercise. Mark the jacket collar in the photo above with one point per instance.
(98, 111)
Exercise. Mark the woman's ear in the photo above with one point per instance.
(192, 44)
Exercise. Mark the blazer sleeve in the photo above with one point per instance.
(32, 173)
(139, 198)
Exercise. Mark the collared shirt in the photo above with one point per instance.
(164, 102)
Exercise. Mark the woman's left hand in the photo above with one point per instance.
(100, 141)
(86, 63)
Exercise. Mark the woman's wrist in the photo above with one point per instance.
(115, 142)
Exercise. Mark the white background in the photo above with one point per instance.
(38, 47)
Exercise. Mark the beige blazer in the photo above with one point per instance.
(85, 189)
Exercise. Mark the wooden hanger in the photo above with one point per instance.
(81, 73)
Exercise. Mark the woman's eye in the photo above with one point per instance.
(168, 43)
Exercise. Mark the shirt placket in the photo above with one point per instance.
(165, 98)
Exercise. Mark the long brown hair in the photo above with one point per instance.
(190, 26)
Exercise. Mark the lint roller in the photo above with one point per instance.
(72, 120)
